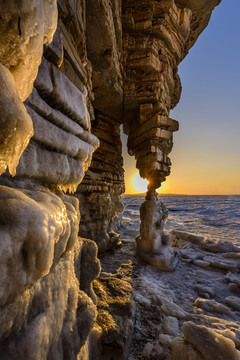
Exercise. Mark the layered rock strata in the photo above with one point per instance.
(100, 192)
(110, 62)
(157, 36)
(153, 242)
(47, 302)
(24, 29)
(48, 306)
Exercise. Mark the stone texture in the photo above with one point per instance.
(24, 28)
(112, 331)
(52, 318)
(47, 300)
(100, 192)
(15, 123)
(156, 37)
(153, 242)
(104, 47)
(110, 62)
(209, 343)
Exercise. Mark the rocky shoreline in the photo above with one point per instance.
(190, 313)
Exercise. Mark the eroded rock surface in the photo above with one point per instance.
(185, 314)
(48, 306)
(100, 192)
(157, 36)
(153, 242)
(25, 27)
(109, 63)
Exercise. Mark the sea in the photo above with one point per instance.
(216, 217)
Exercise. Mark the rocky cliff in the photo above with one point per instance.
(72, 72)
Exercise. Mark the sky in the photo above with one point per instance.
(206, 152)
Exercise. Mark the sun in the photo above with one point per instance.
(140, 184)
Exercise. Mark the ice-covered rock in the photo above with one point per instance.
(182, 350)
(153, 242)
(233, 302)
(146, 353)
(212, 306)
(53, 317)
(234, 282)
(24, 28)
(15, 122)
(44, 229)
(165, 339)
(170, 326)
(207, 244)
(209, 343)
(114, 323)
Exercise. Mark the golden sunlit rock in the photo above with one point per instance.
(109, 63)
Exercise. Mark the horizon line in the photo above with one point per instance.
(178, 194)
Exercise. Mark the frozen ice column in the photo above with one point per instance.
(153, 242)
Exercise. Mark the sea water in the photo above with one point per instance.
(215, 217)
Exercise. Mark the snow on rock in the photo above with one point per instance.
(52, 318)
(206, 253)
(209, 343)
(15, 122)
(170, 326)
(21, 47)
(44, 229)
(153, 242)
(165, 301)
(182, 350)
(233, 302)
(146, 353)
(212, 306)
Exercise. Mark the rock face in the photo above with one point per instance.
(24, 29)
(153, 242)
(48, 306)
(82, 68)
(100, 192)
(156, 38)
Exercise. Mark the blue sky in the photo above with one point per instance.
(206, 153)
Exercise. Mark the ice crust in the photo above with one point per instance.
(191, 313)
(21, 51)
(45, 227)
(54, 316)
(25, 26)
(15, 122)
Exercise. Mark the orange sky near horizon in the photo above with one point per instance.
(195, 183)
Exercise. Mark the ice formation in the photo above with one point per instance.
(107, 64)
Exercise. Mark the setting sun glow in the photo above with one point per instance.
(140, 184)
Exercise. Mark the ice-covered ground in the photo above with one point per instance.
(193, 312)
